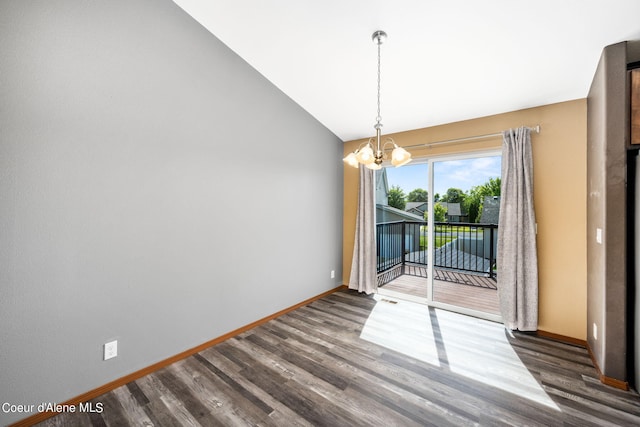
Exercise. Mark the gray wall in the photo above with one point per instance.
(151, 191)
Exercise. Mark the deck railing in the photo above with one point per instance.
(466, 247)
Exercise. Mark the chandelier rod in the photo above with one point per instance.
(378, 37)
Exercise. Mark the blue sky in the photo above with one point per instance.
(462, 174)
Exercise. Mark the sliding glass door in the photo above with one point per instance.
(437, 232)
(464, 212)
(401, 230)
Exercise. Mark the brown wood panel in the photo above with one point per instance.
(352, 359)
(635, 106)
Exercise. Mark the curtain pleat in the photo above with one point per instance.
(517, 259)
(363, 266)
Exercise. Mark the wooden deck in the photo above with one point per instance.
(481, 297)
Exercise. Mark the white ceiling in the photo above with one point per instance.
(443, 61)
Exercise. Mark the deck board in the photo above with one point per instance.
(473, 297)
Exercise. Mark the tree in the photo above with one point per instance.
(439, 213)
(418, 195)
(475, 198)
(397, 198)
(454, 195)
(493, 186)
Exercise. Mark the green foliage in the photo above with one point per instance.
(397, 198)
(471, 202)
(475, 197)
(493, 186)
(418, 195)
(454, 195)
(439, 213)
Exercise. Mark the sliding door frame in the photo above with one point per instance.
(430, 161)
(431, 235)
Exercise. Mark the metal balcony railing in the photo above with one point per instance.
(458, 246)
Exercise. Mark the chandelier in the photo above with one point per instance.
(372, 153)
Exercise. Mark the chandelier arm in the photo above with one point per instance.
(387, 142)
(364, 144)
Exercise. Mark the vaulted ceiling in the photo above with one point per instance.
(443, 61)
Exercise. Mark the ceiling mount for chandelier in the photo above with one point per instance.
(372, 153)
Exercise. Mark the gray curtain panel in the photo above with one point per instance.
(517, 259)
(363, 267)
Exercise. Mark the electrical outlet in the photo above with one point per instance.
(333, 274)
(110, 350)
(595, 331)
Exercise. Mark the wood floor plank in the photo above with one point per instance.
(297, 389)
(224, 404)
(113, 414)
(356, 360)
(233, 384)
(198, 408)
(280, 412)
(134, 413)
(344, 370)
(161, 397)
(380, 375)
(76, 420)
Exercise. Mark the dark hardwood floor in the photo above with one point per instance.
(353, 360)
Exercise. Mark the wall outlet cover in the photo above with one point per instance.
(110, 350)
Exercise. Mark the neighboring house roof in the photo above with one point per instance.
(490, 210)
(453, 209)
(416, 212)
(385, 213)
(416, 206)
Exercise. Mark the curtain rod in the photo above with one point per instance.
(535, 129)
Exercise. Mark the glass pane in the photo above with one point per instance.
(465, 212)
(401, 231)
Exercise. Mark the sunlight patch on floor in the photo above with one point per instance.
(450, 340)
(401, 326)
(502, 368)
